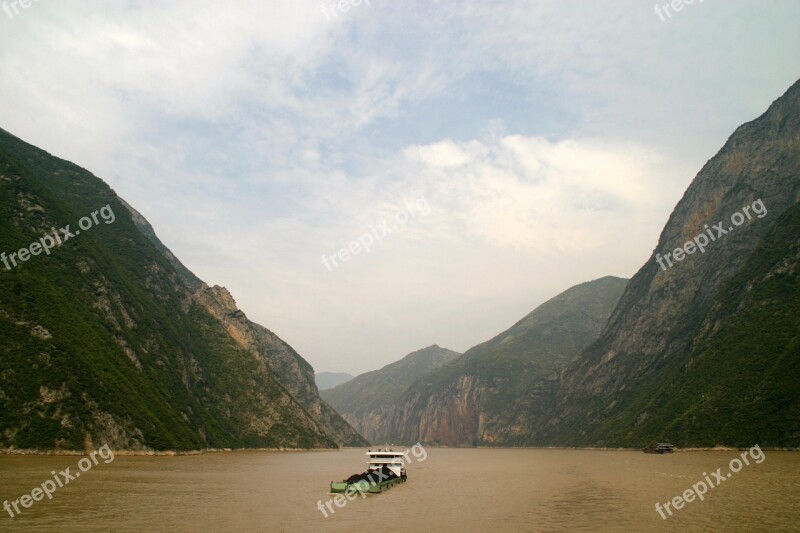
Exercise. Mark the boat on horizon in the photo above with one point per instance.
(661, 447)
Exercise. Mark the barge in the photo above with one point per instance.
(385, 469)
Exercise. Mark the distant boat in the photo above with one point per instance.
(662, 447)
(385, 468)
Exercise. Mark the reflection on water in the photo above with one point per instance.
(453, 489)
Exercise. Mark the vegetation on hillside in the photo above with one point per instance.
(101, 341)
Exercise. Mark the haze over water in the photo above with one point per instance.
(453, 489)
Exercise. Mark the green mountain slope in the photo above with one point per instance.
(486, 396)
(739, 383)
(367, 400)
(702, 353)
(108, 339)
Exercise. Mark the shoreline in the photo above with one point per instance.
(176, 453)
(159, 453)
(600, 448)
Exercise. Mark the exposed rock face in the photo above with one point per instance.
(293, 372)
(110, 339)
(485, 396)
(663, 315)
(369, 400)
(451, 416)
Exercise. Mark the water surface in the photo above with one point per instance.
(451, 490)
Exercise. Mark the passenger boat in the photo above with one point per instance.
(385, 468)
(662, 447)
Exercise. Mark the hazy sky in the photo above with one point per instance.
(514, 149)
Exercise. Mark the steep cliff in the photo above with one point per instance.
(107, 338)
(670, 322)
(291, 370)
(738, 383)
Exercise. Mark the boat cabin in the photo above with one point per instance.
(393, 460)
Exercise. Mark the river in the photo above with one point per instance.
(447, 490)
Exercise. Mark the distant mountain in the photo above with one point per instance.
(486, 395)
(328, 380)
(368, 399)
(108, 338)
(707, 351)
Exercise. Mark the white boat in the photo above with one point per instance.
(385, 468)
(394, 461)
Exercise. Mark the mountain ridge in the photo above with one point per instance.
(109, 339)
(658, 317)
(469, 401)
(366, 401)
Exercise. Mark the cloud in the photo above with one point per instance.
(528, 192)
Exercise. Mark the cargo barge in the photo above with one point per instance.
(385, 469)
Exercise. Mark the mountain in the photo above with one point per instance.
(704, 352)
(328, 380)
(105, 337)
(367, 401)
(484, 397)
(738, 383)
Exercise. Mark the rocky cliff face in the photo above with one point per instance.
(449, 415)
(737, 384)
(484, 397)
(291, 370)
(109, 339)
(665, 316)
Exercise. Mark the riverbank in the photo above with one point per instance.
(175, 453)
(161, 453)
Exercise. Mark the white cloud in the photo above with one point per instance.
(528, 192)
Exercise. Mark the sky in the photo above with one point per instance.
(368, 178)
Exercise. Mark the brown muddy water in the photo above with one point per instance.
(451, 490)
